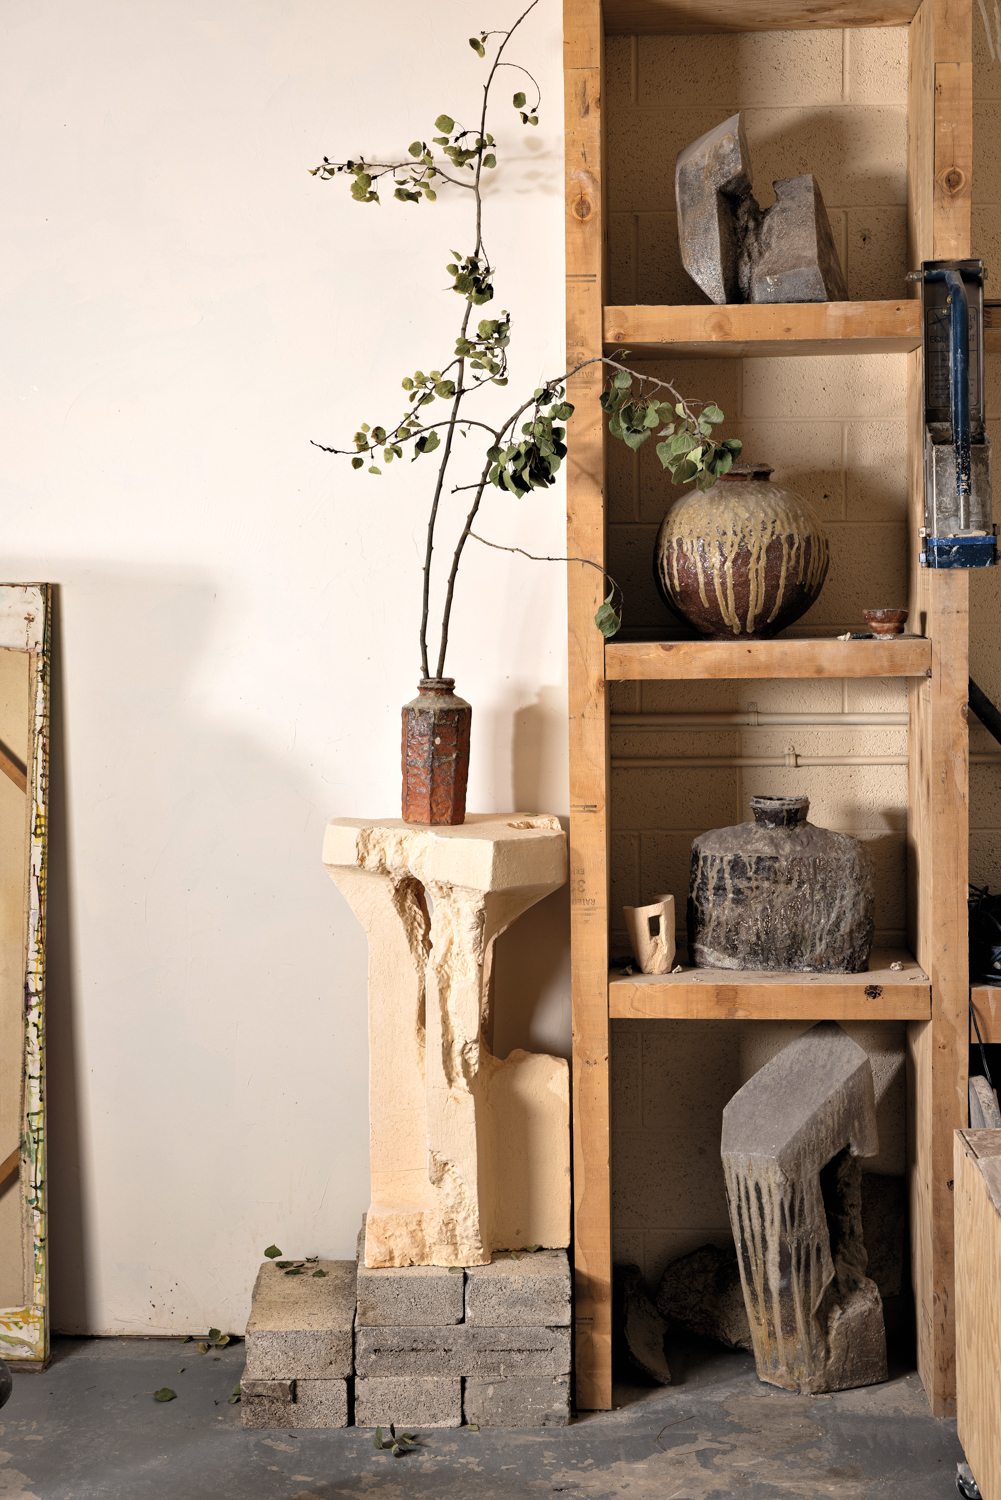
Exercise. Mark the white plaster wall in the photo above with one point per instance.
(184, 308)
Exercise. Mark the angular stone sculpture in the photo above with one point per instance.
(468, 1153)
(732, 250)
(791, 1141)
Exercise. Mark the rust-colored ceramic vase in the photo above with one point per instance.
(435, 754)
(742, 559)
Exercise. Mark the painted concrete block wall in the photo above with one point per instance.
(184, 309)
(833, 103)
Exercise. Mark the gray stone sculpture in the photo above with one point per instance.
(733, 250)
(792, 1137)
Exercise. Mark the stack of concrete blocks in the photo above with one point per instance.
(488, 1345)
(300, 1346)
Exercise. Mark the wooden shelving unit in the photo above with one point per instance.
(933, 998)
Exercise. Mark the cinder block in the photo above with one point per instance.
(517, 1402)
(532, 1291)
(408, 1402)
(301, 1327)
(294, 1403)
(462, 1350)
(409, 1296)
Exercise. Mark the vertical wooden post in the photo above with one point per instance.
(583, 42)
(940, 134)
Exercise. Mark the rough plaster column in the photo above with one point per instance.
(468, 1153)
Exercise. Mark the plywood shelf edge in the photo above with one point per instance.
(883, 994)
(765, 330)
(638, 661)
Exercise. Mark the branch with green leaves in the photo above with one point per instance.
(517, 459)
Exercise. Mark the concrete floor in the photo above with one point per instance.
(89, 1429)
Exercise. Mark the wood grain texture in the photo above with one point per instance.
(628, 17)
(11, 1167)
(987, 1005)
(778, 329)
(588, 711)
(978, 1303)
(13, 769)
(884, 994)
(638, 661)
(938, 748)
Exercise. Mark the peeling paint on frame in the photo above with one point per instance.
(25, 625)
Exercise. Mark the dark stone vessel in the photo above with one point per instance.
(780, 893)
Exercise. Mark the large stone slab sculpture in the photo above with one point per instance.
(733, 250)
(468, 1153)
(791, 1141)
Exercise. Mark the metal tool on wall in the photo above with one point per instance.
(958, 529)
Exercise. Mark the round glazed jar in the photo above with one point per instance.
(743, 559)
(780, 893)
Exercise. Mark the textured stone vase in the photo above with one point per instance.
(435, 754)
(743, 559)
(780, 893)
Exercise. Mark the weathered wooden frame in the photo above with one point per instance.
(940, 135)
(24, 627)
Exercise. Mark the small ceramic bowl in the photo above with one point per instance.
(884, 622)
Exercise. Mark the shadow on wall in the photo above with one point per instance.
(190, 947)
(531, 985)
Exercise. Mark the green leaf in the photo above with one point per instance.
(532, 1248)
(409, 1437)
(533, 120)
(634, 439)
(377, 1443)
(712, 414)
(455, 1270)
(187, 1339)
(446, 123)
(357, 463)
(202, 1348)
(319, 1273)
(430, 194)
(472, 1426)
(607, 620)
(477, 46)
(221, 1342)
(733, 445)
(490, 161)
(623, 380)
(519, 101)
(214, 1333)
(372, 470)
(272, 1252)
(237, 1389)
(232, 1400)
(165, 1394)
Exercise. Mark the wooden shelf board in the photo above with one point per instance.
(627, 17)
(765, 330)
(884, 994)
(987, 1004)
(787, 656)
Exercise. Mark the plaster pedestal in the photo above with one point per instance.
(468, 1153)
